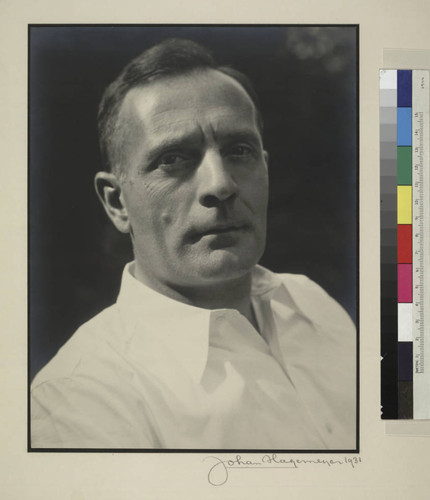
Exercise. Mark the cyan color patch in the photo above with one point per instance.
(404, 126)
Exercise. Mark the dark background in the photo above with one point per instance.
(306, 78)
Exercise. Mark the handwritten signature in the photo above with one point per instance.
(219, 469)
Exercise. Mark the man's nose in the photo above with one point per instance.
(216, 184)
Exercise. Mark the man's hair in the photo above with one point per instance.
(171, 57)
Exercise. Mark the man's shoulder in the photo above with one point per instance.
(87, 390)
(92, 339)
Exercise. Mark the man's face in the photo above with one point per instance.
(195, 182)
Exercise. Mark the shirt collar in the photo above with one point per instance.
(183, 328)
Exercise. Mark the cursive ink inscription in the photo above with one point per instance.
(219, 469)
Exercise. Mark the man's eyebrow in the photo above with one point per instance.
(239, 135)
(174, 141)
(236, 131)
(171, 141)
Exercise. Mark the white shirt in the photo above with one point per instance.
(151, 372)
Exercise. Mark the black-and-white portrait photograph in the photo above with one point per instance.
(193, 237)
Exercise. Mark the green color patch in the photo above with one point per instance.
(404, 166)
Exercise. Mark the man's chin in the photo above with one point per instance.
(225, 265)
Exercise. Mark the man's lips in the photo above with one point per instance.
(197, 234)
(220, 230)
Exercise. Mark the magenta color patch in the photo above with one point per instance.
(404, 282)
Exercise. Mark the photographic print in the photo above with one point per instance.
(193, 237)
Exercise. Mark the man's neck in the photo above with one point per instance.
(234, 294)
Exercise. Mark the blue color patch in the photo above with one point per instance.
(404, 126)
(404, 88)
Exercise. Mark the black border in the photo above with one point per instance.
(186, 450)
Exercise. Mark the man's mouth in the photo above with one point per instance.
(217, 229)
(222, 229)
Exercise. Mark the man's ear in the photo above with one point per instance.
(109, 191)
(266, 158)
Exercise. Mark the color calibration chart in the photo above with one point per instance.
(405, 247)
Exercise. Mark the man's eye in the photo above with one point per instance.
(240, 151)
(170, 160)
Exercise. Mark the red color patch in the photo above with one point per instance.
(404, 244)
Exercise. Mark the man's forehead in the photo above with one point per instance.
(196, 94)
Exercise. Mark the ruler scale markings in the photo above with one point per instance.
(421, 244)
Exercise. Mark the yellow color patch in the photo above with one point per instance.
(404, 204)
